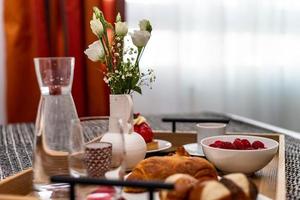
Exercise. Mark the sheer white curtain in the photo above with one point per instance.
(237, 56)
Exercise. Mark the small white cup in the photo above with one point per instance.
(209, 129)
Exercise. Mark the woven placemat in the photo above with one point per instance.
(16, 142)
(292, 167)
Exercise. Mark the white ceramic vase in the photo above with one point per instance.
(121, 107)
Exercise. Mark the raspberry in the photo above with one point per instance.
(146, 132)
(243, 144)
(228, 145)
(246, 143)
(213, 145)
(258, 145)
(218, 143)
(238, 143)
(233, 146)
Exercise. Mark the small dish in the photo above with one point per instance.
(162, 145)
(194, 149)
(234, 160)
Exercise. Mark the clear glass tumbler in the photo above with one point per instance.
(77, 166)
(89, 156)
(84, 131)
(53, 122)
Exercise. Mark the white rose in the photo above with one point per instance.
(121, 28)
(95, 52)
(145, 25)
(96, 26)
(140, 38)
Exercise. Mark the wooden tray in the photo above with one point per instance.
(270, 180)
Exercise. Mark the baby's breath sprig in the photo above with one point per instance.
(123, 74)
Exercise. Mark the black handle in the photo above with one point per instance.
(151, 186)
(194, 120)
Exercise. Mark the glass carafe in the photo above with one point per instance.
(53, 122)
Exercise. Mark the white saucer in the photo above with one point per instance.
(194, 149)
(162, 145)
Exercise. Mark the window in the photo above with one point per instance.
(236, 56)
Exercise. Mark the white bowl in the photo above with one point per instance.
(244, 161)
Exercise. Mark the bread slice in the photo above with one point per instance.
(241, 187)
(210, 190)
(182, 183)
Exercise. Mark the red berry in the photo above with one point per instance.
(246, 143)
(238, 143)
(218, 143)
(136, 128)
(228, 145)
(233, 146)
(243, 144)
(213, 145)
(258, 145)
(145, 131)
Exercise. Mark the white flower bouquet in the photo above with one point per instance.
(122, 72)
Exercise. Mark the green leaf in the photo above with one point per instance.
(137, 89)
(149, 27)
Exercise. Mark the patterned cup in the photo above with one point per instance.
(98, 156)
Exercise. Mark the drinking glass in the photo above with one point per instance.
(101, 154)
(209, 129)
(98, 157)
(90, 128)
(76, 155)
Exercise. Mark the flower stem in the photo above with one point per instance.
(105, 50)
(140, 54)
(108, 47)
(105, 38)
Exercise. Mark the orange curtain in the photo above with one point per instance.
(52, 28)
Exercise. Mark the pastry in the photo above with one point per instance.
(160, 167)
(210, 190)
(231, 187)
(241, 187)
(152, 145)
(182, 184)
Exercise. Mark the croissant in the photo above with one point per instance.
(159, 168)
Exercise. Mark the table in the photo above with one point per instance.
(16, 142)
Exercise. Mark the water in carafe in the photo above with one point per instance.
(53, 122)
